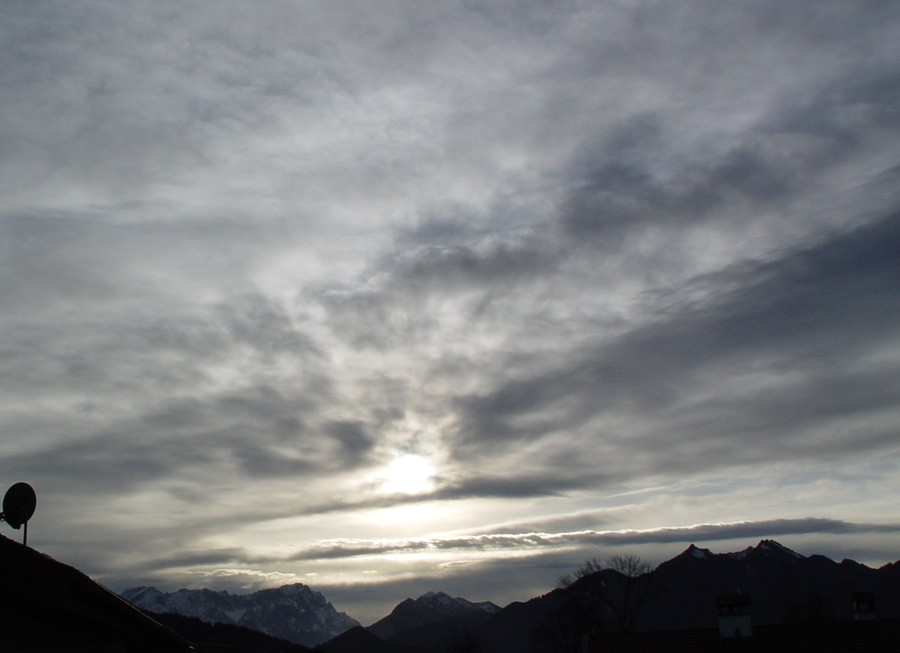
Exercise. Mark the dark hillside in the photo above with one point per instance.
(434, 621)
(48, 606)
(788, 594)
(226, 637)
(359, 639)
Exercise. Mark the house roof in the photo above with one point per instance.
(47, 605)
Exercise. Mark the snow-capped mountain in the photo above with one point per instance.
(448, 606)
(292, 612)
(434, 615)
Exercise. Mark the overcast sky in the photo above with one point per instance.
(387, 297)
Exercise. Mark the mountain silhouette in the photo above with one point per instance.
(796, 603)
(294, 613)
(226, 637)
(784, 589)
(433, 618)
(359, 639)
(49, 606)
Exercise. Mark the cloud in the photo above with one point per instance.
(625, 182)
(245, 579)
(798, 318)
(536, 541)
(527, 484)
(191, 559)
(355, 443)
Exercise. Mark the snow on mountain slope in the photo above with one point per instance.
(292, 612)
(429, 616)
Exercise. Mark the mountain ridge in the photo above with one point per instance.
(784, 587)
(432, 617)
(295, 612)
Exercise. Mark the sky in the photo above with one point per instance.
(388, 297)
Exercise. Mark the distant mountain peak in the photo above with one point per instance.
(784, 588)
(764, 548)
(142, 592)
(430, 608)
(775, 547)
(696, 552)
(292, 612)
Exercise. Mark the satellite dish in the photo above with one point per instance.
(18, 506)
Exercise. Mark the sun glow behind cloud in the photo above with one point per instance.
(408, 473)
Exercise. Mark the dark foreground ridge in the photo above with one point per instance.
(213, 638)
(48, 606)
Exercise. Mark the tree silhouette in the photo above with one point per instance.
(601, 597)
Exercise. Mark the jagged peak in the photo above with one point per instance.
(765, 546)
(772, 545)
(441, 602)
(848, 562)
(315, 619)
(488, 606)
(297, 589)
(694, 551)
(297, 586)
